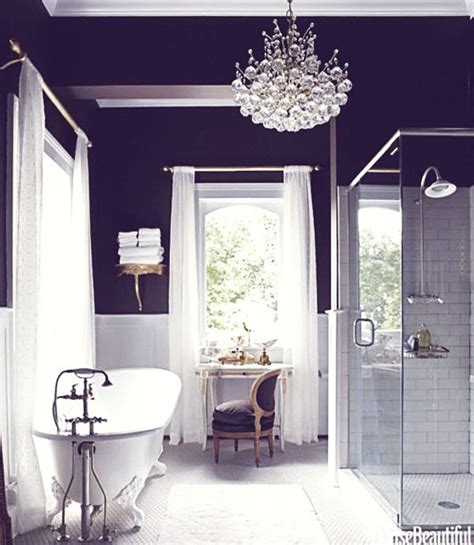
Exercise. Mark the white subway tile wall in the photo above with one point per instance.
(437, 391)
(438, 398)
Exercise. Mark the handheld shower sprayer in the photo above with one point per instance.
(85, 374)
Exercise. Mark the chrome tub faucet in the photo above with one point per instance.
(85, 375)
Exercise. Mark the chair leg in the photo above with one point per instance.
(216, 449)
(257, 450)
(270, 444)
(236, 445)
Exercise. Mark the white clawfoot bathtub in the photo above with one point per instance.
(138, 407)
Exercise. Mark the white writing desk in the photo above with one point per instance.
(211, 372)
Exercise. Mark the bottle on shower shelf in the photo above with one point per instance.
(424, 339)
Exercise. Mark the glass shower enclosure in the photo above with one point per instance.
(405, 287)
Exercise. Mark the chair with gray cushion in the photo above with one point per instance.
(248, 419)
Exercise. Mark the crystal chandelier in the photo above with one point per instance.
(290, 89)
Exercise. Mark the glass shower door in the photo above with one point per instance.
(375, 359)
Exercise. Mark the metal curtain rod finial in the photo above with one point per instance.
(16, 47)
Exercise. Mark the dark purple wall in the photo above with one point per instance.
(129, 189)
(406, 72)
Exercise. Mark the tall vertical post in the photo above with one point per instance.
(334, 336)
(334, 216)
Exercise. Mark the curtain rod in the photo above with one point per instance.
(316, 168)
(22, 55)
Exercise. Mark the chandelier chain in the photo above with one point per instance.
(290, 16)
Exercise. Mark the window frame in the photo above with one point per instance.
(382, 197)
(215, 196)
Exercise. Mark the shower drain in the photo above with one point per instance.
(449, 505)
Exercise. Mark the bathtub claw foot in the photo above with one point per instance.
(127, 498)
(161, 468)
(137, 515)
(58, 494)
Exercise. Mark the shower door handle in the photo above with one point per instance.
(357, 332)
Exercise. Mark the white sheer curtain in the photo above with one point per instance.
(31, 501)
(39, 301)
(298, 306)
(183, 306)
(82, 310)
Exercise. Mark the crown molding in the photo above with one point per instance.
(256, 8)
(50, 6)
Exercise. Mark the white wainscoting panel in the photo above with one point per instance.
(134, 340)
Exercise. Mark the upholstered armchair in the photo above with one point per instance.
(248, 419)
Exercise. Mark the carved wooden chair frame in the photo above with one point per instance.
(258, 433)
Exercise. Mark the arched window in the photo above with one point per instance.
(379, 262)
(239, 262)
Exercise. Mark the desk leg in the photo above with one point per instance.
(283, 387)
(213, 393)
(203, 380)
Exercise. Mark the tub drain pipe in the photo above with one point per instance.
(86, 452)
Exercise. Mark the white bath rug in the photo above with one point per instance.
(243, 514)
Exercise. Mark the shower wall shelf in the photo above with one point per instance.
(437, 355)
(137, 270)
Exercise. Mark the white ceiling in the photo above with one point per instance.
(206, 8)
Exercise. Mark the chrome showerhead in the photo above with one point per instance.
(437, 190)
(440, 189)
(423, 299)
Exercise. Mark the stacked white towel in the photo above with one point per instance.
(127, 239)
(149, 250)
(149, 237)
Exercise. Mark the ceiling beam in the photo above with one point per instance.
(154, 96)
